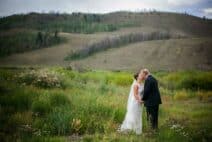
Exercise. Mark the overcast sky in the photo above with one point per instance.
(194, 7)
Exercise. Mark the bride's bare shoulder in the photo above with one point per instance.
(135, 85)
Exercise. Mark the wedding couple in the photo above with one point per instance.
(142, 93)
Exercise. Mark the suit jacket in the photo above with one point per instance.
(151, 94)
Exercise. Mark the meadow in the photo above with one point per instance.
(61, 104)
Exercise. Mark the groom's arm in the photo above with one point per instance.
(147, 87)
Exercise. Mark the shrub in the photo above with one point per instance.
(21, 101)
(6, 74)
(58, 99)
(199, 81)
(76, 125)
(118, 115)
(170, 81)
(17, 99)
(192, 80)
(27, 78)
(41, 127)
(22, 117)
(181, 95)
(104, 88)
(41, 107)
(59, 121)
(164, 91)
(42, 78)
(120, 79)
(94, 126)
(123, 81)
(204, 96)
(88, 138)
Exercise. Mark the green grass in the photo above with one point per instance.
(193, 80)
(92, 104)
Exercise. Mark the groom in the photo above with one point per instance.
(151, 97)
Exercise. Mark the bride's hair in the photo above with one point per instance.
(136, 76)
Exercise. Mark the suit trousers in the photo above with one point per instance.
(152, 116)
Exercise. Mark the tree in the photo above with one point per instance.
(204, 18)
(56, 34)
(39, 39)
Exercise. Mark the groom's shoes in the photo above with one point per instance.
(155, 131)
(151, 132)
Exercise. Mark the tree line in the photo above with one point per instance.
(75, 22)
(119, 41)
(17, 42)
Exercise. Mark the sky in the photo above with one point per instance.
(194, 7)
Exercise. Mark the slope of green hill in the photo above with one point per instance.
(163, 20)
(173, 54)
(90, 23)
(84, 31)
(76, 22)
(23, 40)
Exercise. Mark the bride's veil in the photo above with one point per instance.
(130, 95)
(132, 118)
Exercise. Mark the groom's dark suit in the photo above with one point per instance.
(151, 98)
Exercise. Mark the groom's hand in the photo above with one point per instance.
(140, 101)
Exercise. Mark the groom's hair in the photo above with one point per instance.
(146, 71)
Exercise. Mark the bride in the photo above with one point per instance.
(133, 117)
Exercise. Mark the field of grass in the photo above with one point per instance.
(59, 104)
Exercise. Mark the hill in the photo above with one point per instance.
(191, 51)
(172, 55)
(90, 23)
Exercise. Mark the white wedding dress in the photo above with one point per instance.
(133, 117)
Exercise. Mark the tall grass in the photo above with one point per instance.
(193, 80)
(92, 106)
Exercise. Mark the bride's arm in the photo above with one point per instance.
(135, 90)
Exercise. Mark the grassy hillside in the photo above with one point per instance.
(91, 23)
(22, 40)
(58, 104)
(120, 41)
(173, 54)
(124, 30)
(55, 55)
(76, 22)
(163, 20)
